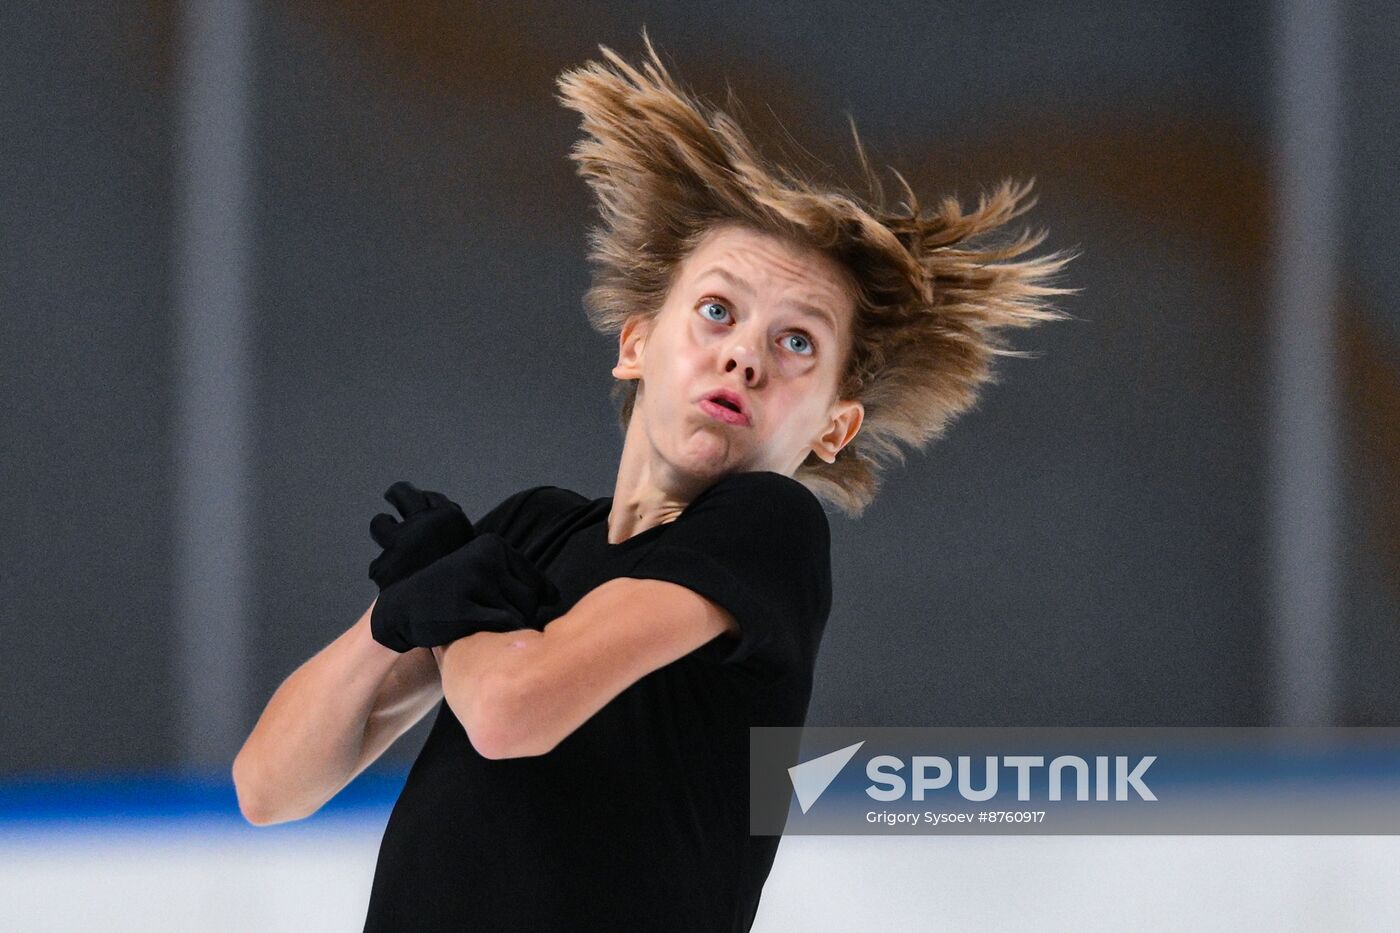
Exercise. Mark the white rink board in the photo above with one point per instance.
(218, 876)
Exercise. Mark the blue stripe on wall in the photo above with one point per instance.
(144, 797)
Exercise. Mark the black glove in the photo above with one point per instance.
(433, 526)
(485, 586)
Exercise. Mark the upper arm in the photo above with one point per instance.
(624, 629)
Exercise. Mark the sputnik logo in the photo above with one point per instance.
(811, 778)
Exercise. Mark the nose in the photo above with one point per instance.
(739, 356)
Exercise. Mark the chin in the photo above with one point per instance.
(705, 469)
(707, 472)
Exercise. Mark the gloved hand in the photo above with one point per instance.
(433, 526)
(485, 586)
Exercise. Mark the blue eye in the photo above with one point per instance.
(805, 346)
(712, 304)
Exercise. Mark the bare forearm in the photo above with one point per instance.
(309, 738)
(526, 690)
(521, 693)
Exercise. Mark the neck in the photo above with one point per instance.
(649, 491)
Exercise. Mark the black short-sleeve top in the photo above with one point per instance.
(638, 820)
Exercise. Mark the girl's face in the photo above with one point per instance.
(767, 323)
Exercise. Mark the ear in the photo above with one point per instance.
(846, 419)
(631, 344)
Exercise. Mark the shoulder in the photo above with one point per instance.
(754, 519)
(554, 499)
(766, 496)
(527, 509)
(758, 545)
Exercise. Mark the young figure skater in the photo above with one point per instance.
(602, 659)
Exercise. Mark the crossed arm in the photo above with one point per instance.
(516, 694)
(520, 693)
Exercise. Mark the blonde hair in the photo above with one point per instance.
(930, 294)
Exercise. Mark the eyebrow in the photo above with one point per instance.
(808, 309)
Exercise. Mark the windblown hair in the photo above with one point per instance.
(931, 295)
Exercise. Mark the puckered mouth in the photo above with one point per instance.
(731, 401)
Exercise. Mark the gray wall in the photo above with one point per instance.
(1085, 547)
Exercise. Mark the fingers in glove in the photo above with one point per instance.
(383, 529)
(443, 531)
(376, 571)
(406, 497)
(437, 500)
(388, 568)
